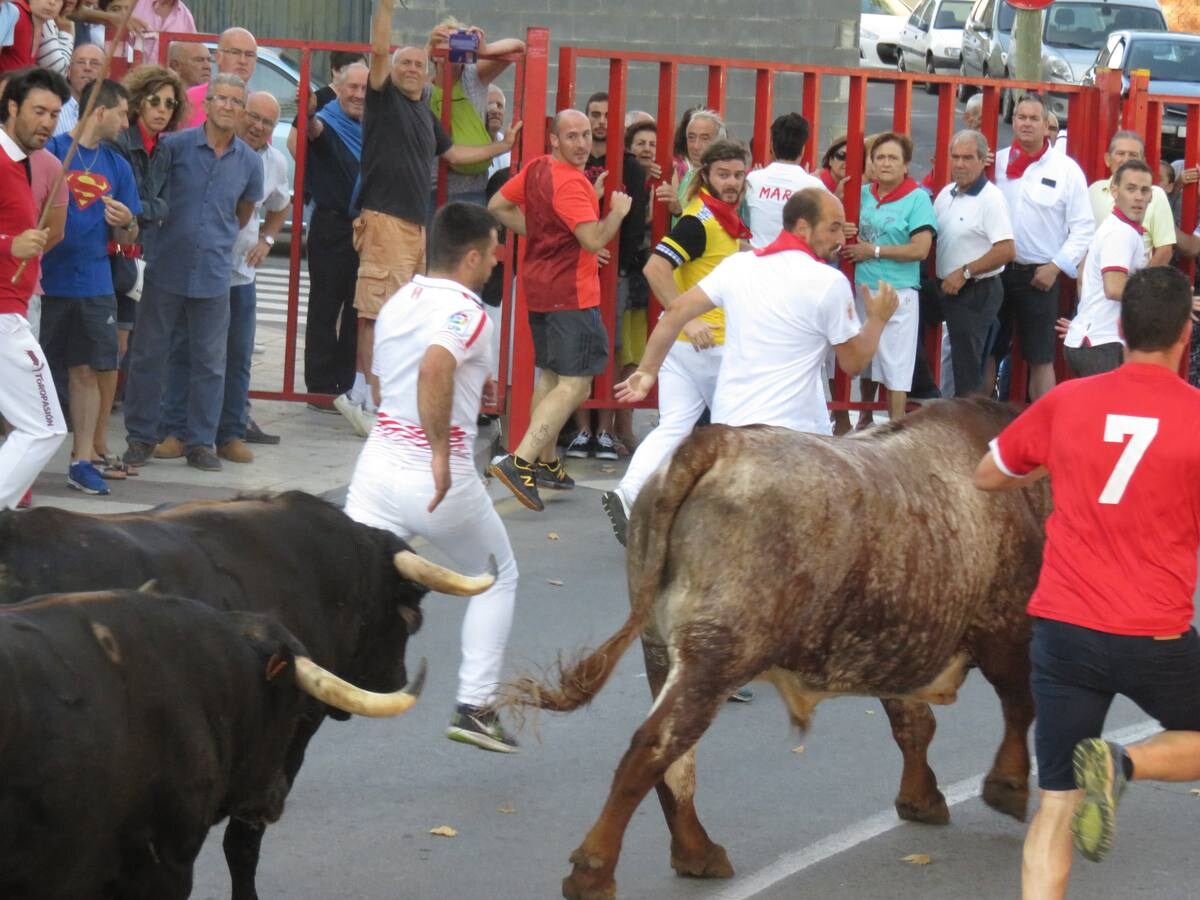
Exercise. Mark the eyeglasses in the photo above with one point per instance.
(840, 156)
(225, 100)
(255, 119)
(157, 101)
(244, 54)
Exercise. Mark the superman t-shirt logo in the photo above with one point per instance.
(87, 187)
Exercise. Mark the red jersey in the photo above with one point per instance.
(556, 198)
(22, 52)
(17, 214)
(1124, 462)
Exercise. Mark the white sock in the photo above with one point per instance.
(359, 392)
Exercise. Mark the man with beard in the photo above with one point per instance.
(28, 109)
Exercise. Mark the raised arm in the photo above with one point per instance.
(381, 43)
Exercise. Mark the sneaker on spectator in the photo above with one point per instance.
(580, 446)
(138, 453)
(255, 435)
(361, 420)
(553, 476)
(26, 500)
(204, 459)
(614, 506)
(83, 476)
(605, 447)
(236, 451)
(471, 725)
(170, 448)
(519, 478)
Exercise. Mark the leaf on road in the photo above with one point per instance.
(608, 468)
(870, 712)
(799, 749)
(554, 581)
(507, 810)
(552, 536)
(1195, 792)
(444, 831)
(917, 859)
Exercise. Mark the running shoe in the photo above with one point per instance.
(742, 695)
(606, 447)
(614, 506)
(519, 478)
(580, 446)
(471, 725)
(83, 476)
(553, 476)
(358, 417)
(1099, 773)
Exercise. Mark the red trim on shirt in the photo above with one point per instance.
(1136, 226)
(478, 330)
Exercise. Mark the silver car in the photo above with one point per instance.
(986, 42)
(931, 40)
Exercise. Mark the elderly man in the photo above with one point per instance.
(551, 202)
(401, 137)
(974, 242)
(86, 63)
(253, 243)
(215, 182)
(1158, 232)
(497, 103)
(237, 54)
(191, 61)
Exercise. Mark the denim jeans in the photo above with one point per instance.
(205, 324)
(239, 349)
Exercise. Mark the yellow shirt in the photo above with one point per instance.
(695, 246)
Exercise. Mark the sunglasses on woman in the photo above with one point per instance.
(157, 101)
(840, 156)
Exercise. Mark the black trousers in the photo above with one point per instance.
(969, 316)
(331, 333)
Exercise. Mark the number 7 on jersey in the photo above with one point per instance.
(1141, 432)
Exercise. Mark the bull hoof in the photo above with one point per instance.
(572, 889)
(934, 812)
(713, 862)
(591, 879)
(1006, 797)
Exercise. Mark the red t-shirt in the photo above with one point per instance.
(556, 198)
(1123, 454)
(21, 53)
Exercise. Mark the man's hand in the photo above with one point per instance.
(116, 213)
(30, 243)
(699, 334)
(1062, 325)
(634, 388)
(665, 193)
(1044, 276)
(510, 136)
(654, 171)
(1190, 176)
(991, 159)
(863, 250)
(954, 282)
(598, 184)
(258, 253)
(137, 27)
(620, 203)
(488, 397)
(440, 466)
(603, 257)
(849, 229)
(882, 304)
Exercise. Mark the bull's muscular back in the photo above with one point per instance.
(864, 563)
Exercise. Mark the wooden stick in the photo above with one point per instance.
(84, 115)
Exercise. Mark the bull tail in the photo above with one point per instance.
(575, 682)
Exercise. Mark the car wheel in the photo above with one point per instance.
(930, 87)
(965, 91)
(900, 60)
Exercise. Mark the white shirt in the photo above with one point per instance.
(429, 312)
(68, 117)
(1117, 247)
(767, 189)
(783, 311)
(1049, 208)
(277, 194)
(1159, 224)
(969, 223)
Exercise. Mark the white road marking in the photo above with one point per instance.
(864, 830)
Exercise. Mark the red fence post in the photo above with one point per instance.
(764, 109)
(1135, 108)
(1108, 118)
(716, 89)
(564, 97)
(811, 107)
(990, 122)
(902, 106)
(856, 125)
(1191, 202)
(293, 307)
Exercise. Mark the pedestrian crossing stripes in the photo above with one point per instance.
(272, 296)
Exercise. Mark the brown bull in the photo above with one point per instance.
(872, 567)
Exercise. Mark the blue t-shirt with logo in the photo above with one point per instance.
(78, 265)
(890, 224)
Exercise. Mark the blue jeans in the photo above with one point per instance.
(239, 349)
(205, 323)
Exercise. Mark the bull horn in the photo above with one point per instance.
(438, 578)
(328, 688)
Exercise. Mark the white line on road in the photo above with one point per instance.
(866, 829)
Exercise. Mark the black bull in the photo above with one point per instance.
(330, 581)
(866, 565)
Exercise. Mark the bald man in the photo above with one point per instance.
(237, 54)
(86, 63)
(191, 61)
(552, 204)
(401, 138)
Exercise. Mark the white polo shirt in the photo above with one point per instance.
(969, 222)
(767, 189)
(1048, 206)
(1117, 247)
(277, 196)
(1159, 223)
(783, 312)
(430, 312)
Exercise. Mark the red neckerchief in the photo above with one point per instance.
(1136, 226)
(787, 241)
(726, 215)
(903, 189)
(149, 141)
(828, 180)
(1019, 160)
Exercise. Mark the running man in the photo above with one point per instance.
(416, 476)
(1113, 605)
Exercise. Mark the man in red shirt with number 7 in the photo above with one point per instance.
(1113, 605)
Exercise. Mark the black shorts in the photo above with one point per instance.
(1031, 312)
(126, 312)
(1078, 671)
(80, 331)
(1085, 361)
(569, 342)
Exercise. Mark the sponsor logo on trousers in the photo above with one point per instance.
(47, 409)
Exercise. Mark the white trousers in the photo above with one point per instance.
(687, 382)
(384, 493)
(30, 404)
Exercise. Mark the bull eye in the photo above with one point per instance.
(107, 642)
(412, 618)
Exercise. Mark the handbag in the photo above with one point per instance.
(124, 259)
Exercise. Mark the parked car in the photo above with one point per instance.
(932, 38)
(986, 42)
(1074, 31)
(1173, 60)
(879, 27)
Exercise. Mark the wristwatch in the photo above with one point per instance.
(131, 224)
(877, 251)
(966, 273)
(266, 237)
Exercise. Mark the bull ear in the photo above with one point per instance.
(281, 666)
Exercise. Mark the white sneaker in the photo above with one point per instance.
(359, 418)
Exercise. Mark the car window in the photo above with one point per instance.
(1004, 22)
(278, 84)
(952, 14)
(983, 13)
(1085, 26)
(1167, 60)
(1115, 58)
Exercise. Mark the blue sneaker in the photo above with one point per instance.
(83, 476)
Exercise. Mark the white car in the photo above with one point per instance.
(931, 40)
(879, 31)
